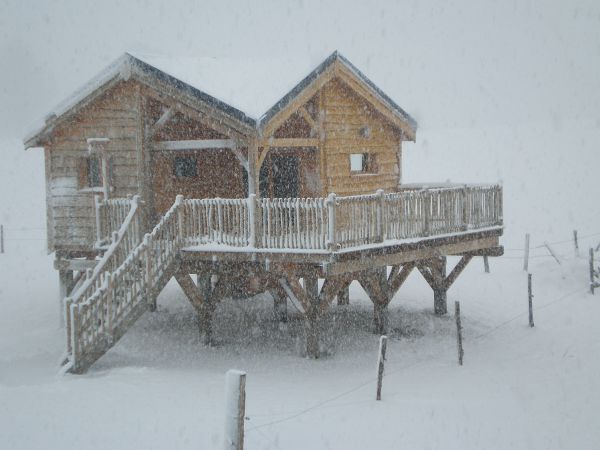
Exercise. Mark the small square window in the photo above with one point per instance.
(185, 167)
(363, 163)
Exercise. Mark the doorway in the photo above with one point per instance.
(279, 177)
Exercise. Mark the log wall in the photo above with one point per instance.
(345, 115)
(115, 115)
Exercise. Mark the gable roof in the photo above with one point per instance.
(250, 91)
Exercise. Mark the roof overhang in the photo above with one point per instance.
(129, 67)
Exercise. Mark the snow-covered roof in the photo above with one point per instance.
(251, 90)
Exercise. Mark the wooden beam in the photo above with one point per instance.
(162, 120)
(295, 291)
(457, 271)
(290, 142)
(426, 274)
(196, 144)
(493, 251)
(308, 118)
(190, 289)
(397, 279)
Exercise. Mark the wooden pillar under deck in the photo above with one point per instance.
(311, 286)
(343, 297)
(434, 272)
(66, 283)
(279, 304)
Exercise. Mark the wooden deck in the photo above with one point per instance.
(272, 244)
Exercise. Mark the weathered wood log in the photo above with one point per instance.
(380, 365)
(235, 409)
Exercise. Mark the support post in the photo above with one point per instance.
(486, 264)
(381, 225)
(252, 169)
(279, 306)
(526, 257)
(380, 364)
(65, 286)
(110, 304)
(235, 409)
(530, 296)
(252, 220)
(440, 292)
(1, 238)
(98, 221)
(208, 308)
(343, 297)
(311, 287)
(575, 242)
(332, 244)
(461, 352)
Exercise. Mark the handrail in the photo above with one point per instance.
(103, 307)
(110, 214)
(334, 223)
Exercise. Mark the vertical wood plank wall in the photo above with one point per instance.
(345, 114)
(115, 115)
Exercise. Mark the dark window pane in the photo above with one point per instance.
(94, 176)
(185, 167)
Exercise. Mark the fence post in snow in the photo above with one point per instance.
(592, 282)
(1, 238)
(380, 364)
(235, 409)
(530, 295)
(486, 264)
(461, 352)
(526, 258)
(575, 242)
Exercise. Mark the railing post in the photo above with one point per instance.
(252, 240)
(74, 312)
(148, 262)
(68, 324)
(332, 244)
(220, 221)
(98, 221)
(180, 218)
(426, 212)
(110, 296)
(381, 222)
(465, 199)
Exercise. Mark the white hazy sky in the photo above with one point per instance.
(448, 63)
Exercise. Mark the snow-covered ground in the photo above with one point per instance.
(160, 388)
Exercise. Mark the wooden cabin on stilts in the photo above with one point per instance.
(220, 176)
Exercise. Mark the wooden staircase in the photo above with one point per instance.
(121, 287)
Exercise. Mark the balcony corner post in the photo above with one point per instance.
(381, 216)
(332, 243)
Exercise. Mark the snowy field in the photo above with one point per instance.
(159, 388)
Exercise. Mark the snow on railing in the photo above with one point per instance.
(341, 222)
(110, 214)
(97, 318)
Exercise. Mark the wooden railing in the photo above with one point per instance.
(340, 222)
(110, 214)
(99, 316)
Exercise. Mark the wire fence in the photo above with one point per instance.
(285, 416)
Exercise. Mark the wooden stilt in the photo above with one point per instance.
(66, 283)
(343, 297)
(311, 287)
(434, 272)
(279, 305)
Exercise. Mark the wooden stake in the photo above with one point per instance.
(526, 259)
(575, 242)
(530, 294)
(461, 352)
(380, 364)
(1, 238)
(551, 252)
(235, 409)
(592, 281)
(486, 264)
